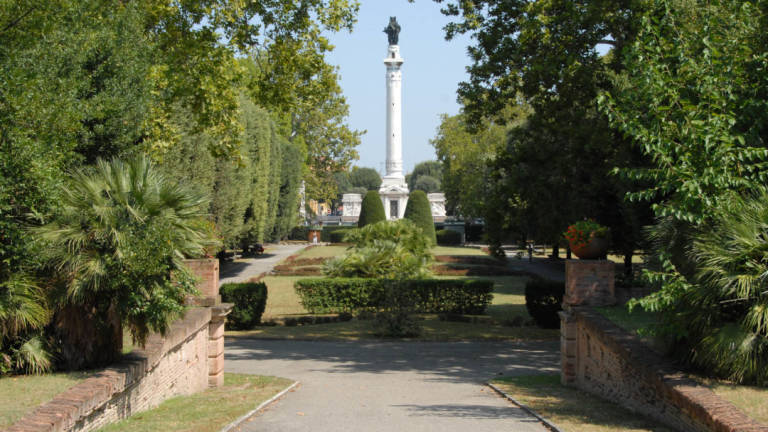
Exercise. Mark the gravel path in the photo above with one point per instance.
(246, 268)
(391, 386)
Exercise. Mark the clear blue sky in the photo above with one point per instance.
(433, 67)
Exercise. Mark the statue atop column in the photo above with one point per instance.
(393, 31)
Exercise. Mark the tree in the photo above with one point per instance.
(367, 178)
(465, 157)
(290, 181)
(371, 210)
(419, 212)
(427, 184)
(432, 169)
(115, 249)
(693, 101)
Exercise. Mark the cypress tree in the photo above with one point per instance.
(371, 210)
(418, 211)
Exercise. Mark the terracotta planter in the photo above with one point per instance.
(595, 249)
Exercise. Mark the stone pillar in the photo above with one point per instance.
(589, 283)
(394, 129)
(216, 344)
(207, 270)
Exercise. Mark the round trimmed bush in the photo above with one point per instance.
(448, 237)
(371, 210)
(543, 299)
(419, 212)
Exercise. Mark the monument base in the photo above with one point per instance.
(394, 196)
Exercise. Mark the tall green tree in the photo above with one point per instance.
(693, 100)
(433, 169)
(363, 177)
(465, 156)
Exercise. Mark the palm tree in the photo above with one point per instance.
(116, 247)
(23, 314)
(728, 310)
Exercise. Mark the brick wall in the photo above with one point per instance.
(619, 367)
(603, 359)
(176, 364)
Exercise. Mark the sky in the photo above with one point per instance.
(432, 69)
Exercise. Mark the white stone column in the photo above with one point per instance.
(394, 127)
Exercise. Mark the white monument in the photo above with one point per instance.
(351, 204)
(437, 206)
(394, 190)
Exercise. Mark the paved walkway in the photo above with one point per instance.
(246, 268)
(391, 386)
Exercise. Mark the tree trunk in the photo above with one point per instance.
(628, 263)
(88, 337)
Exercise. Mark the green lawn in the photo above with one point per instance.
(637, 321)
(573, 410)
(323, 251)
(457, 250)
(281, 297)
(20, 395)
(208, 411)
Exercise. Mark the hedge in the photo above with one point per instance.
(250, 299)
(371, 210)
(418, 210)
(543, 299)
(299, 233)
(336, 295)
(328, 234)
(338, 235)
(448, 237)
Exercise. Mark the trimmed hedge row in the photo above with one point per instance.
(335, 233)
(250, 299)
(448, 237)
(336, 295)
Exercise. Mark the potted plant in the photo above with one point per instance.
(588, 239)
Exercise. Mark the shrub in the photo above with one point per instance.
(339, 235)
(327, 235)
(418, 211)
(388, 249)
(250, 299)
(448, 237)
(371, 210)
(337, 295)
(299, 233)
(396, 319)
(543, 299)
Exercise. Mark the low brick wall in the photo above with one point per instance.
(601, 358)
(177, 364)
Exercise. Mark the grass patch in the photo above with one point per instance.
(210, 410)
(457, 250)
(323, 252)
(21, 394)
(572, 409)
(281, 297)
(433, 330)
(635, 322)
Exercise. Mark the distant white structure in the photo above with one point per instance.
(351, 204)
(437, 205)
